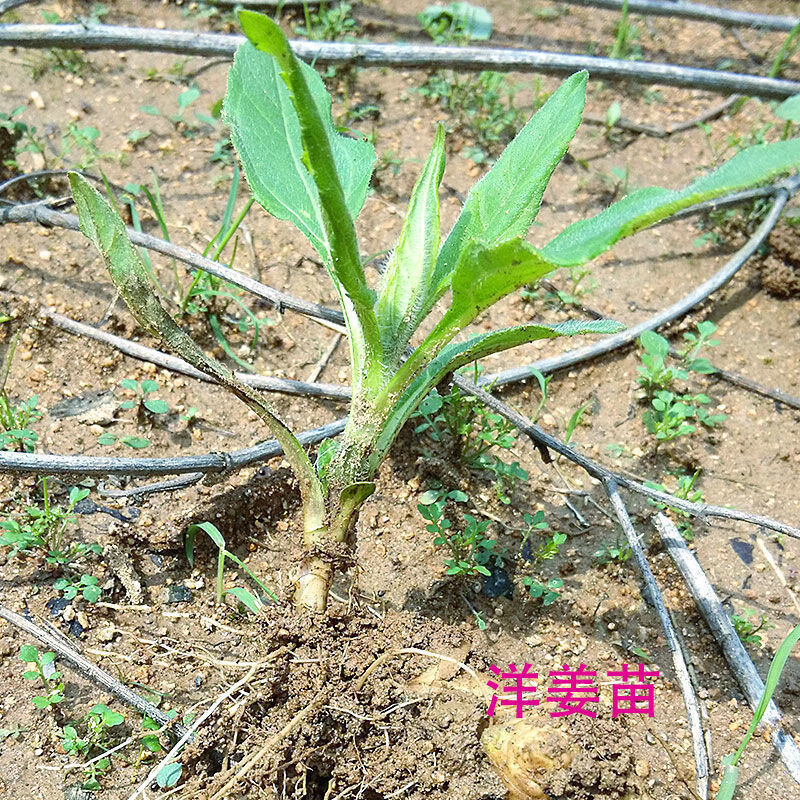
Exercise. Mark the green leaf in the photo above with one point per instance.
(298, 167)
(406, 282)
(655, 344)
(483, 275)
(169, 775)
(91, 594)
(187, 97)
(461, 19)
(47, 658)
(28, 653)
(587, 238)
(245, 598)
(106, 438)
(148, 386)
(156, 406)
(212, 531)
(266, 134)
(41, 702)
(151, 743)
(730, 777)
(129, 383)
(325, 453)
(103, 226)
(477, 346)
(135, 442)
(76, 495)
(505, 202)
(429, 497)
(188, 544)
(789, 109)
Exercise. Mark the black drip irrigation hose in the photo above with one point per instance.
(210, 463)
(697, 11)
(402, 56)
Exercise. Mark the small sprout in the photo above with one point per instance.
(618, 551)
(15, 433)
(684, 490)
(549, 592)
(471, 550)
(748, 624)
(143, 391)
(86, 586)
(44, 671)
(169, 775)
(248, 600)
(135, 442)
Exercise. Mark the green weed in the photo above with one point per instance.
(87, 586)
(626, 38)
(15, 421)
(250, 601)
(470, 548)
(328, 23)
(42, 528)
(472, 431)
(618, 551)
(684, 490)
(97, 727)
(731, 774)
(547, 549)
(747, 624)
(44, 671)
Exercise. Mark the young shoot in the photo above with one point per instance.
(301, 169)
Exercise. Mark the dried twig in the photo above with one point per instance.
(778, 573)
(90, 671)
(654, 596)
(310, 710)
(654, 130)
(704, 116)
(178, 746)
(316, 370)
(778, 395)
(738, 660)
(403, 56)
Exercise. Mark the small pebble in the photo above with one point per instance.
(179, 594)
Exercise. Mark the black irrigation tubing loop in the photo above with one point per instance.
(44, 215)
(696, 11)
(223, 462)
(402, 56)
(608, 344)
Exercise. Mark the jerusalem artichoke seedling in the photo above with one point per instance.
(300, 169)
